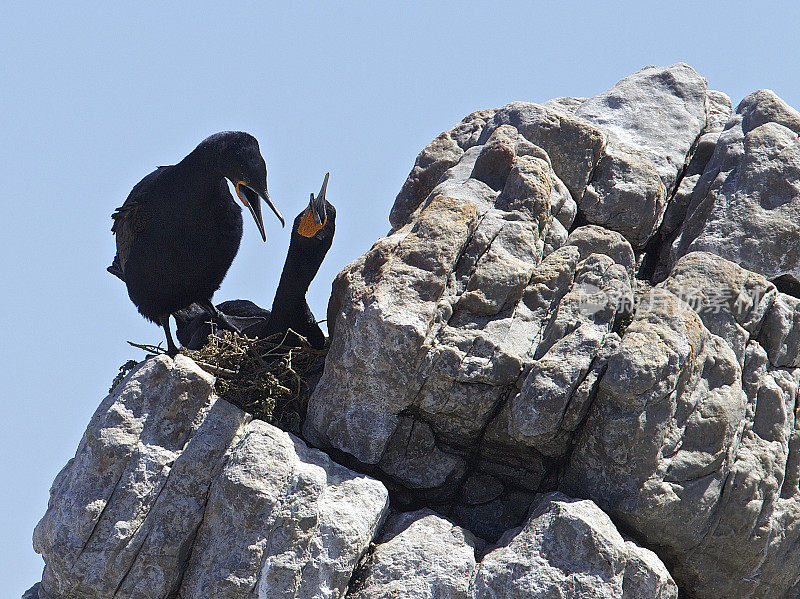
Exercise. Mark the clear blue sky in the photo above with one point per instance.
(94, 96)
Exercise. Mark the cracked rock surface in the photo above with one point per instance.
(570, 548)
(639, 349)
(173, 493)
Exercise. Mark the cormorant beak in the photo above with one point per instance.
(250, 198)
(315, 216)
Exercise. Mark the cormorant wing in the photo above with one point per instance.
(131, 218)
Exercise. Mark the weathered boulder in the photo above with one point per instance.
(419, 556)
(33, 592)
(501, 362)
(447, 331)
(570, 548)
(174, 491)
(566, 547)
(573, 145)
(570, 146)
(147, 458)
(746, 206)
(426, 311)
(732, 302)
(620, 154)
(660, 111)
(660, 438)
(652, 120)
(780, 332)
(440, 322)
(566, 104)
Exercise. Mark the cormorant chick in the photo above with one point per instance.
(179, 229)
(312, 235)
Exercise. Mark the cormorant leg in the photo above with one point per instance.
(212, 310)
(172, 350)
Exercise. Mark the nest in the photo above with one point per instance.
(270, 378)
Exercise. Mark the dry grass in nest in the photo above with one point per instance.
(269, 378)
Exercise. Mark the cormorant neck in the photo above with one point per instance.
(300, 268)
(294, 284)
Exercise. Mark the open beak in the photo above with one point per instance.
(317, 204)
(250, 198)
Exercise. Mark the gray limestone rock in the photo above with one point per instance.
(653, 119)
(295, 523)
(625, 194)
(573, 145)
(692, 440)
(33, 592)
(746, 206)
(173, 489)
(780, 332)
(124, 511)
(565, 104)
(719, 110)
(454, 310)
(388, 300)
(438, 156)
(419, 555)
(570, 548)
(731, 301)
(661, 435)
(660, 111)
(592, 239)
(452, 279)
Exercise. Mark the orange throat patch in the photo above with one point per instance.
(308, 227)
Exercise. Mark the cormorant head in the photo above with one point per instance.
(241, 163)
(318, 220)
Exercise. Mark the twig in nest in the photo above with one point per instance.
(153, 349)
(218, 370)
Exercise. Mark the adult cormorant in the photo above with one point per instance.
(179, 229)
(312, 235)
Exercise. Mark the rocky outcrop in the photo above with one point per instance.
(493, 356)
(174, 493)
(653, 120)
(585, 320)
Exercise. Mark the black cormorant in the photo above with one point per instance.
(312, 235)
(179, 229)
